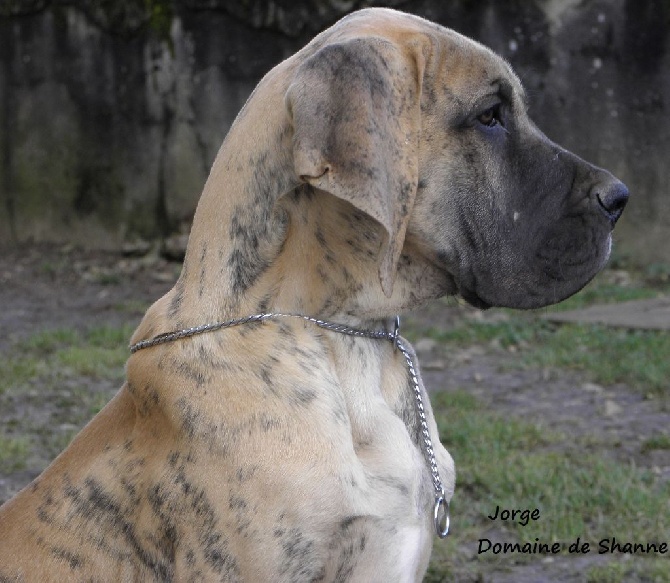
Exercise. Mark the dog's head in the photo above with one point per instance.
(428, 133)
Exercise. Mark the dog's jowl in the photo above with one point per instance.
(388, 163)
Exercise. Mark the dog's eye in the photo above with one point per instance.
(490, 117)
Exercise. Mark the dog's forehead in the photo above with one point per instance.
(470, 69)
(471, 72)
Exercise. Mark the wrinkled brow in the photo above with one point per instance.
(511, 91)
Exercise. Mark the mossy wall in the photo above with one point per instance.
(112, 112)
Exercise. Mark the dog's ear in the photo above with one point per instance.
(355, 108)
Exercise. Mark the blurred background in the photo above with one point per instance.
(111, 112)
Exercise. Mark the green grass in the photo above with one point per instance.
(604, 293)
(638, 358)
(17, 370)
(91, 361)
(660, 441)
(578, 493)
(48, 341)
(13, 452)
(53, 382)
(516, 464)
(58, 353)
(607, 355)
(654, 572)
(513, 463)
(132, 306)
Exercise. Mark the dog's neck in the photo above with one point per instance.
(310, 254)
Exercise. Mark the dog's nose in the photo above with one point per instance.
(612, 196)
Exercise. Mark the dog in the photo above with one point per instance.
(389, 162)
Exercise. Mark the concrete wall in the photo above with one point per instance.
(109, 123)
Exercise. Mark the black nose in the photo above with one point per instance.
(612, 196)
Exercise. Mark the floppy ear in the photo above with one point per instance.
(356, 121)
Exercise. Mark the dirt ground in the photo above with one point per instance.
(46, 288)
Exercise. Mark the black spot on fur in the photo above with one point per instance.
(264, 304)
(255, 227)
(349, 542)
(203, 270)
(320, 238)
(74, 560)
(95, 505)
(177, 298)
(244, 474)
(190, 558)
(299, 559)
(146, 398)
(266, 375)
(303, 395)
(190, 417)
(179, 495)
(237, 503)
(190, 372)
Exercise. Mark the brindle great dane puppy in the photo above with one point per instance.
(389, 162)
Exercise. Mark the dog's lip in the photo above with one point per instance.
(473, 299)
(467, 292)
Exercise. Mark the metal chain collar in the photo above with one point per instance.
(441, 508)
